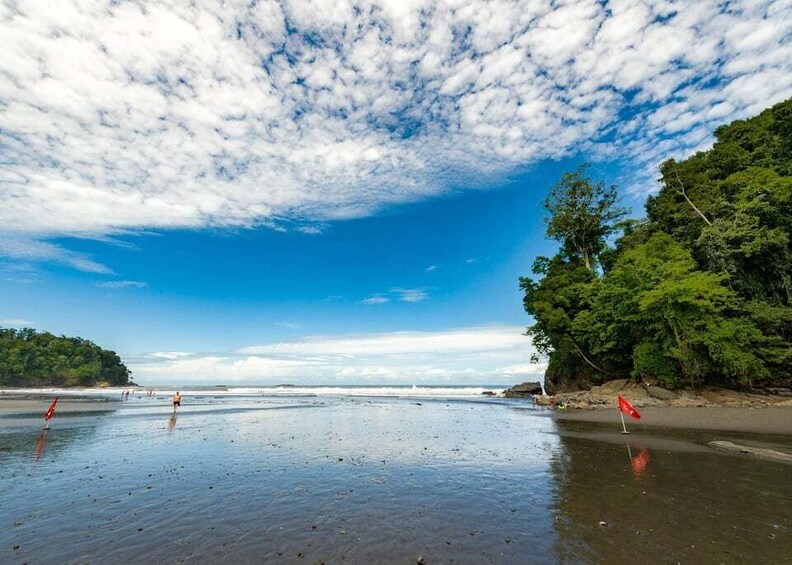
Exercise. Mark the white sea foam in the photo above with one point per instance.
(386, 391)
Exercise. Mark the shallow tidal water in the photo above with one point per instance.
(377, 480)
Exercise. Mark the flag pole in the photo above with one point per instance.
(624, 428)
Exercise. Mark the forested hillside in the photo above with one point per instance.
(33, 359)
(699, 291)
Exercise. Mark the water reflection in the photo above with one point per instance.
(22, 445)
(41, 442)
(172, 422)
(693, 505)
(638, 462)
(383, 481)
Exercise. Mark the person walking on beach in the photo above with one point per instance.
(176, 400)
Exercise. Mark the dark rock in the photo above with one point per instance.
(523, 390)
(488, 393)
(549, 386)
(660, 393)
(570, 376)
(421, 560)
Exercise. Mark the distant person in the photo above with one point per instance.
(176, 400)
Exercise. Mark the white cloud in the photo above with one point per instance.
(289, 325)
(170, 355)
(456, 341)
(375, 300)
(25, 249)
(410, 294)
(523, 369)
(431, 268)
(116, 285)
(15, 322)
(397, 293)
(206, 113)
(477, 355)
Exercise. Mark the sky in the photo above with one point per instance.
(336, 192)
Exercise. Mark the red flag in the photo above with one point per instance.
(51, 410)
(627, 408)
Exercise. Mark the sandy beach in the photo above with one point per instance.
(379, 480)
(766, 420)
(33, 404)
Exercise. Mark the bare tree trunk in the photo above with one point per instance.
(586, 359)
(689, 201)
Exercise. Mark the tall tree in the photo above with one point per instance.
(699, 291)
(582, 214)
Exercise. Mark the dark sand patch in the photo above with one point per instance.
(769, 420)
(20, 404)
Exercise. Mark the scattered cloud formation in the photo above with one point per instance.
(119, 116)
(477, 355)
(410, 294)
(375, 300)
(20, 272)
(15, 322)
(116, 285)
(397, 293)
(25, 249)
(431, 268)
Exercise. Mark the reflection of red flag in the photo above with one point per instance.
(639, 462)
(42, 441)
(627, 408)
(51, 410)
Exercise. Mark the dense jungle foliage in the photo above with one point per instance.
(698, 292)
(33, 359)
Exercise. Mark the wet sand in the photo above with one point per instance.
(766, 420)
(32, 405)
(374, 480)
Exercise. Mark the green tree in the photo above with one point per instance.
(562, 292)
(680, 316)
(582, 215)
(29, 358)
(699, 291)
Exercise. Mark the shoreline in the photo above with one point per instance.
(757, 420)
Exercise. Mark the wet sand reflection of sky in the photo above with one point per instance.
(242, 480)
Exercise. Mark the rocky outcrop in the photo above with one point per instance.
(523, 390)
(570, 377)
(642, 395)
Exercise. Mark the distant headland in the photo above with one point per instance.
(40, 359)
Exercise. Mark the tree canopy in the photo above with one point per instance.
(582, 215)
(30, 358)
(700, 291)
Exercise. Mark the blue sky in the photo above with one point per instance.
(336, 192)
